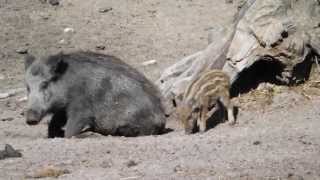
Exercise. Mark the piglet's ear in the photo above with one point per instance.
(58, 65)
(28, 60)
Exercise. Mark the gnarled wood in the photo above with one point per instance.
(278, 30)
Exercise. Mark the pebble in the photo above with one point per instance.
(9, 152)
(7, 119)
(131, 163)
(4, 95)
(2, 77)
(54, 2)
(100, 47)
(22, 51)
(147, 63)
(23, 99)
(10, 93)
(106, 164)
(68, 30)
(105, 10)
(256, 142)
(62, 41)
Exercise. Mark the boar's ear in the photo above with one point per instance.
(28, 60)
(58, 65)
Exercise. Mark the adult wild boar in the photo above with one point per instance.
(96, 92)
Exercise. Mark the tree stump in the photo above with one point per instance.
(282, 31)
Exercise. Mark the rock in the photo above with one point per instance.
(105, 10)
(54, 2)
(22, 50)
(228, 1)
(9, 152)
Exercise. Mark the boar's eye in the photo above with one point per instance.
(44, 85)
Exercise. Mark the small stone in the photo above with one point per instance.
(100, 47)
(4, 95)
(2, 77)
(54, 2)
(178, 169)
(105, 10)
(131, 163)
(148, 63)
(10, 93)
(62, 41)
(23, 99)
(7, 119)
(257, 143)
(9, 152)
(68, 30)
(305, 142)
(22, 51)
(292, 176)
(106, 164)
(229, 1)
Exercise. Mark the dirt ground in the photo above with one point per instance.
(276, 136)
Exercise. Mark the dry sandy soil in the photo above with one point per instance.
(276, 137)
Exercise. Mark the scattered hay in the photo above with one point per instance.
(49, 171)
(258, 98)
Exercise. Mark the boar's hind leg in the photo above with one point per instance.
(58, 120)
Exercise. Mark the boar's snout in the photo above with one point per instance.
(33, 117)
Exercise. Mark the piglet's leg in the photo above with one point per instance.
(231, 117)
(228, 105)
(203, 116)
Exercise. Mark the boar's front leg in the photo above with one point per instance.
(80, 118)
(78, 123)
(75, 126)
(58, 120)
